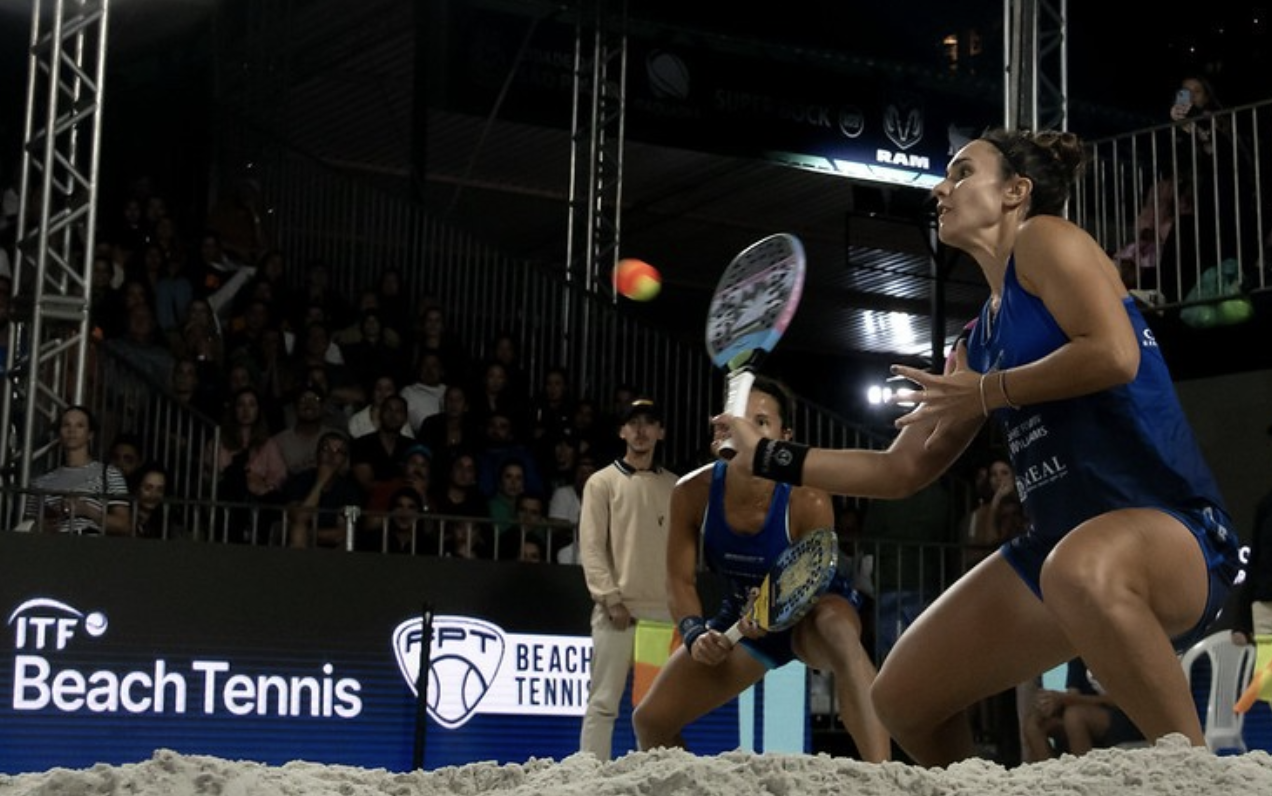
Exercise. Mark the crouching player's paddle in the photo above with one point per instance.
(754, 301)
(798, 578)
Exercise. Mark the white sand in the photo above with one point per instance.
(1171, 767)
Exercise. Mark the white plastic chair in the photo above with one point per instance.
(1231, 667)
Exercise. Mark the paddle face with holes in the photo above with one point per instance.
(753, 303)
(799, 577)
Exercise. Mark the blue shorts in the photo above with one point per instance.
(774, 649)
(1209, 526)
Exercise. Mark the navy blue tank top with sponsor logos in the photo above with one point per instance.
(1129, 446)
(743, 559)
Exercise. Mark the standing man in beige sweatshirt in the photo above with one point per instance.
(623, 550)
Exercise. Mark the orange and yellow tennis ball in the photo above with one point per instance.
(636, 279)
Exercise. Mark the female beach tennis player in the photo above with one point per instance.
(745, 523)
(1129, 555)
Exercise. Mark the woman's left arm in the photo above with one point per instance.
(810, 509)
(1063, 266)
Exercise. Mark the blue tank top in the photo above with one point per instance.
(743, 559)
(1129, 446)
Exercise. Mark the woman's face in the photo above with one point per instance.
(126, 457)
(246, 409)
(185, 376)
(134, 295)
(1200, 97)
(406, 510)
(455, 401)
(199, 313)
(464, 471)
(151, 490)
(238, 378)
(971, 197)
(496, 378)
(1000, 474)
(102, 272)
(384, 387)
(317, 341)
(74, 432)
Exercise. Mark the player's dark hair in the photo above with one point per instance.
(781, 394)
(1052, 160)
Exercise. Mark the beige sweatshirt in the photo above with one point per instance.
(623, 527)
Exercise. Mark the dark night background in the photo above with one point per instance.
(159, 91)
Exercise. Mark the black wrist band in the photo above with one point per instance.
(691, 627)
(779, 460)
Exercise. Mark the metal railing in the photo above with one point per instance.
(901, 576)
(1183, 206)
(180, 438)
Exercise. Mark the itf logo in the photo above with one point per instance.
(45, 624)
(465, 657)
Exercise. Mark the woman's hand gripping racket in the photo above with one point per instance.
(754, 301)
(798, 578)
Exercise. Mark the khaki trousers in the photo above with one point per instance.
(612, 652)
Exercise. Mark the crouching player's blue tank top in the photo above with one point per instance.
(743, 559)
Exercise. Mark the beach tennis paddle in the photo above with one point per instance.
(798, 578)
(753, 303)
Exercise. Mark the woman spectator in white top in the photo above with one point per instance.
(84, 495)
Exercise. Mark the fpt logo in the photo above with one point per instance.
(465, 657)
(50, 625)
(475, 667)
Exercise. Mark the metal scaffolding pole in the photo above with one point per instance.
(56, 226)
(1036, 66)
(596, 161)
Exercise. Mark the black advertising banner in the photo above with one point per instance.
(117, 647)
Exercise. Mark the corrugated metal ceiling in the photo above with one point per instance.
(870, 283)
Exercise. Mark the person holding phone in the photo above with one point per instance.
(1209, 194)
(1195, 97)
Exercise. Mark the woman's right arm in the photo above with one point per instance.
(682, 550)
(688, 506)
